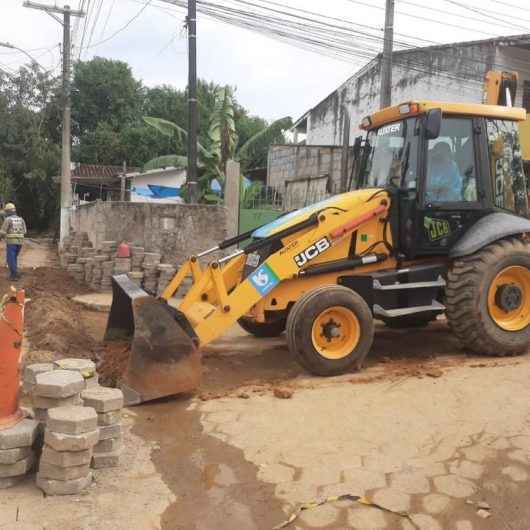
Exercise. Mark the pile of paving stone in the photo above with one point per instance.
(64, 466)
(95, 267)
(17, 455)
(150, 267)
(77, 426)
(107, 402)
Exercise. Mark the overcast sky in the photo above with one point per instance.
(273, 79)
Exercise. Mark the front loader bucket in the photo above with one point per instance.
(164, 358)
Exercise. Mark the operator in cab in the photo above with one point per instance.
(444, 181)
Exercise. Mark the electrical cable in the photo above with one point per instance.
(124, 27)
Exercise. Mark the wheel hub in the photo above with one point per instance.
(509, 297)
(331, 330)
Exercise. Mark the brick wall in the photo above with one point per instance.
(174, 230)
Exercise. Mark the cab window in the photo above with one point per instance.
(393, 155)
(506, 166)
(451, 171)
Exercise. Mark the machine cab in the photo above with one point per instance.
(447, 165)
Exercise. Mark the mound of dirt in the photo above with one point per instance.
(52, 321)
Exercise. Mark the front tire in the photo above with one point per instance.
(330, 330)
(488, 299)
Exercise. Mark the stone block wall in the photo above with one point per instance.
(173, 230)
(293, 162)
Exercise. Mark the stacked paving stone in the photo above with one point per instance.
(107, 402)
(150, 268)
(167, 272)
(95, 267)
(17, 456)
(71, 433)
(107, 272)
(137, 258)
(85, 367)
(55, 388)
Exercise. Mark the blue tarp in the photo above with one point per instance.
(164, 191)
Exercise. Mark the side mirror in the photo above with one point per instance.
(433, 124)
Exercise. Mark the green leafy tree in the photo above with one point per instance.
(104, 91)
(29, 154)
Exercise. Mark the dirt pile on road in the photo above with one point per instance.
(53, 322)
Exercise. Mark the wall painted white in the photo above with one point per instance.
(452, 73)
(171, 177)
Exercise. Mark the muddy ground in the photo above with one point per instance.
(424, 429)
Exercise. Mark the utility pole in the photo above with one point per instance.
(66, 184)
(191, 22)
(123, 181)
(386, 62)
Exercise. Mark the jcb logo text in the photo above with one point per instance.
(312, 252)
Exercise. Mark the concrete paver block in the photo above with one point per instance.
(276, 473)
(362, 479)
(521, 442)
(454, 486)
(9, 482)
(32, 370)
(392, 499)
(103, 399)
(59, 384)
(64, 487)
(10, 456)
(516, 473)
(435, 503)
(110, 431)
(478, 453)
(72, 420)
(109, 418)
(55, 472)
(102, 460)
(20, 435)
(464, 525)
(410, 482)
(18, 468)
(467, 469)
(42, 402)
(365, 518)
(65, 458)
(425, 522)
(71, 442)
(85, 367)
(109, 445)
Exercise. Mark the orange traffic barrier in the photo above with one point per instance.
(11, 328)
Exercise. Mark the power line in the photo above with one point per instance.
(483, 14)
(458, 15)
(95, 22)
(124, 27)
(425, 19)
(107, 19)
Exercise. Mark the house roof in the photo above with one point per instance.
(97, 172)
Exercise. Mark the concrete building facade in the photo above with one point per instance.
(452, 72)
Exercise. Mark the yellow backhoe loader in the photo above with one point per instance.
(435, 222)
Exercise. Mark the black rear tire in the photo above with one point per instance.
(262, 330)
(469, 310)
(305, 318)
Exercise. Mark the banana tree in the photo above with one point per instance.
(222, 141)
